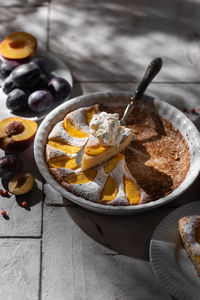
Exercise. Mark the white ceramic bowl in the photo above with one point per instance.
(167, 111)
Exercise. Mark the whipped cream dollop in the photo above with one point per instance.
(106, 127)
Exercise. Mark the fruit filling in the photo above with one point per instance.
(95, 150)
(63, 147)
(63, 162)
(110, 190)
(73, 131)
(131, 190)
(82, 178)
(111, 163)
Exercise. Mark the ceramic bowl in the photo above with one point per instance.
(165, 110)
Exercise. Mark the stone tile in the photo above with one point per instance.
(76, 267)
(20, 269)
(29, 19)
(116, 41)
(22, 222)
(53, 197)
(10, 3)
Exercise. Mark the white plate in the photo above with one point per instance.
(167, 111)
(169, 260)
(55, 67)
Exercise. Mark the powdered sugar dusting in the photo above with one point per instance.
(78, 117)
(61, 173)
(52, 152)
(59, 134)
(91, 190)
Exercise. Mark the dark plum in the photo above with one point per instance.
(8, 85)
(59, 87)
(10, 165)
(44, 81)
(40, 63)
(17, 100)
(26, 75)
(7, 67)
(40, 100)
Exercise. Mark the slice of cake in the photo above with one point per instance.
(189, 228)
(107, 139)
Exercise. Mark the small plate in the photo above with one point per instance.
(169, 259)
(55, 67)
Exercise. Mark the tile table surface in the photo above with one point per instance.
(57, 250)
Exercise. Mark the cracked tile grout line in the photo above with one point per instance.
(48, 25)
(41, 244)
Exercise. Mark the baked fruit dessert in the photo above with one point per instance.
(107, 183)
(83, 153)
(189, 228)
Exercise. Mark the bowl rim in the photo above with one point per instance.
(97, 207)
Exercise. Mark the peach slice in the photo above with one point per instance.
(63, 162)
(109, 191)
(18, 45)
(131, 190)
(95, 150)
(21, 183)
(89, 114)
(73, 131)
(16, 134)
(81, 178)
(111, 163)
(66, 148)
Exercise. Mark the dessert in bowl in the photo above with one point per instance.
(156, 167)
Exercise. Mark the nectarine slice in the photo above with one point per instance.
(66, 148)
(18, 45)
(82, 178)
(16, 134)
(73, 131)
(89, 114)
(63, 162)
(111, 163)
(131, 190)
(109, 191)
(95, 150)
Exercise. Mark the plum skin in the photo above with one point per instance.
(40, 100)
(17, 100)
(60, 88)
(10, 165)
(26, 75)
(7, 67)
(8, 85)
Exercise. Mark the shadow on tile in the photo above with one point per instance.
(128, 235)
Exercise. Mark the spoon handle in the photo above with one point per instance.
(153, 69)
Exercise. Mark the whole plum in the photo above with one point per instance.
(10, 165)
(40, 100)
(7, 67)
(17, 100)
(8, 85)
(40, 63)
(26, 75)
(60, 88)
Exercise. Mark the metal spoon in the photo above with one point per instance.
(153, 69)
(151, 72)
